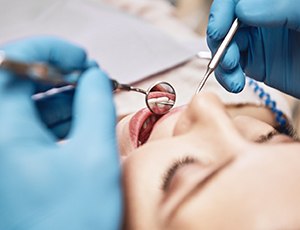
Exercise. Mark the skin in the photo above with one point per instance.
(232, 181)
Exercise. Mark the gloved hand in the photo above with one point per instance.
(266, 47)
(48, 185)
(56, 112)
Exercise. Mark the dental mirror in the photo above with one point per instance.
(160, 97)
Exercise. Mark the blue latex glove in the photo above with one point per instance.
(266, 47)
(50, 185)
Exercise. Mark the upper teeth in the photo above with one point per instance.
(158, 99)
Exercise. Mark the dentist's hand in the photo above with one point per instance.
(46, 185)
(266, 47)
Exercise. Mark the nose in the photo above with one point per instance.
(206, 114)
(207, 126)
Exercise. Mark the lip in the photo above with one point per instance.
(138, 123)
(142, 123)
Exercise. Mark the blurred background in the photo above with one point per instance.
(194, 13)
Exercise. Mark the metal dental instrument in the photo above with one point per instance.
(38, 72)
(212, 65)
(160, 97)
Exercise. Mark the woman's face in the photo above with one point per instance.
(204, 168)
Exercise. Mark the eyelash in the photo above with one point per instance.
(267, 137)
(177, 164)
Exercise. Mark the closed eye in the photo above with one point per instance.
(289, 132)
(177, 164)
(265, 138)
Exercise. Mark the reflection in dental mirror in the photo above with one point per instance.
(160, 98)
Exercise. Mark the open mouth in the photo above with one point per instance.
(141, 125)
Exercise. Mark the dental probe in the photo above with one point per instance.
(213, 63)
(44, 73)
(36, 71)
